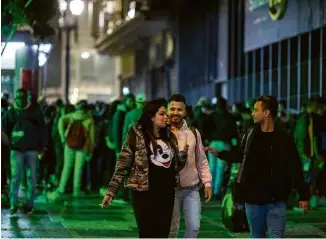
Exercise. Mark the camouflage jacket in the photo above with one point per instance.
(132, 165)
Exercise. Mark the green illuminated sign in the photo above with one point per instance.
(277, 9)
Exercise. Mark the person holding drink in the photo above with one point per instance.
(150, 162)
(193, 176)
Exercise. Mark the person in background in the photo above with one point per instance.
(119, 119)
(111, 159)
(47, 160)
(25, 126)
(150, 162)
(224, 136)
(56, 140)
(202, 113)
(134, 115)
(5, 154)
(77, 133)
(305, 134)
(117, 132)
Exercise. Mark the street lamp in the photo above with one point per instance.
(68, 23)
(76, 7)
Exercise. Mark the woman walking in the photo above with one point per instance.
(150, 163)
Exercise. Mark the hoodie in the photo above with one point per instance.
(25, 127)
(197, 168)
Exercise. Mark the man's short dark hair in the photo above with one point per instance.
(177, 98)
(82, 105)
(59, 103)
(128, 96)
(269, 103)
(23, 91)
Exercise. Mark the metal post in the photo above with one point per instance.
(270, 71)
(67, 65)
(262, 73)
(299, 95)
(321, 63)
(309, 64)
(279, 71)
(254, 74)
(288, 78)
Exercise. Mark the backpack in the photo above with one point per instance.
(76, 137)
(233, 214)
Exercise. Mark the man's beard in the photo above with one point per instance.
(176, 119)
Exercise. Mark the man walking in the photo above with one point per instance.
(270, 167)
(195, 174)
(25, 126)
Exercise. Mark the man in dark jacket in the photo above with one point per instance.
(26, 129)
(270, 167)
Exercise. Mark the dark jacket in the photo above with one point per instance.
(117, 127)
(29, 126)
(222, 126)
(132, 163)
(259, 182)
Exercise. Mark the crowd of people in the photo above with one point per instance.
(166, 152)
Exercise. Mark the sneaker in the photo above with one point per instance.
(297, 209)
(53, 196)
(29, 210)
(13, 211)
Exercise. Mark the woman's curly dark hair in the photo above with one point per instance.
(165, 134)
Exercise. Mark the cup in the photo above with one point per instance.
(182, 140)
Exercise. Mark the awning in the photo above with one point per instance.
(129, 33)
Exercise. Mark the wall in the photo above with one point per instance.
(197, 51)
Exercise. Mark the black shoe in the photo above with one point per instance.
(29, 210)
(13, 211)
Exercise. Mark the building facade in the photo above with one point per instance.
(238, 49)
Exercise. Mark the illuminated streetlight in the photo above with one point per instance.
(42, 59)
(63, 5)
(125, 90)
(132, 10)
(45, 47)
(76, 7)
(85, 55)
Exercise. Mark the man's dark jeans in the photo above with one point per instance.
(271, 216)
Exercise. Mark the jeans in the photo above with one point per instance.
(217, 167)
(72, 159)
(18, 162)
(272, 216)
(189, 201)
